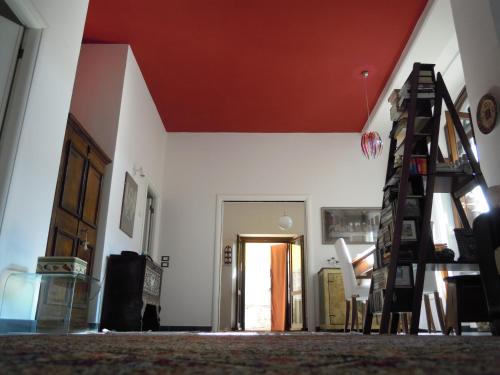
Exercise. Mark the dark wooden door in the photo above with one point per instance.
(73, 227)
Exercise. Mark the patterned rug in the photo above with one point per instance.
(315, 353)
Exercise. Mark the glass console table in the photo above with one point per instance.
(47, 303)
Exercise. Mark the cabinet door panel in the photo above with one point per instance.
(92, 195)
(73, 181)
(64, 244)
(74, 222)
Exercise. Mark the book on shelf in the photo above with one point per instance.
(426, 88)
(426, 73)
(397, 113)
(404, 277)
(418, 126)
(416, 186)
(394, 180)
(394, 97)
(418, 165)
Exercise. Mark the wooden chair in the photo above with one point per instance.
(486, 230)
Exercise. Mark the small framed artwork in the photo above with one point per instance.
(412, 207)
(404, 277)
(409, 231)
(354, 225)
(129, 201)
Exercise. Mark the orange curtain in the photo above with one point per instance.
(278, 287)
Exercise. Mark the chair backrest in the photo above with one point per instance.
(487, 233)
(345, 264)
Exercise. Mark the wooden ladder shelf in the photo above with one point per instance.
(411, 181)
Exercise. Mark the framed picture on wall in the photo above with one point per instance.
(354, 225)
(129, 201)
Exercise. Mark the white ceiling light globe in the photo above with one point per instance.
(285, 222)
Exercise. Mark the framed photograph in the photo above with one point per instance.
(404, 277)
(129, 201)
(412, 207)
(354, 225)
(409, 231)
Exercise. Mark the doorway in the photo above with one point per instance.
(270, 293)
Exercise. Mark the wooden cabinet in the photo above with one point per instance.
(132, 291)
(331, 299)
(74, 222)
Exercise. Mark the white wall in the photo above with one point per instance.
(140, 142)
(24, 231)
(252, 218)
(113, 103)
(97, 94)
(476, 25)
(329, 168)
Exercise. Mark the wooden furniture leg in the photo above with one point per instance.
(458, 327)
(406, 328)
(428, 314)
(394, 323)
(354, 317)
(452, 321)
(347, 313)
(363, 313)
(495, 327)
(440, 311)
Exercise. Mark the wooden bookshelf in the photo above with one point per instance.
(412, 177)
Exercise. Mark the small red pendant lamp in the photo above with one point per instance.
(371, 143)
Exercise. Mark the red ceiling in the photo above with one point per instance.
(259, 65)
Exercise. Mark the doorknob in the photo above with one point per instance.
(85, 242)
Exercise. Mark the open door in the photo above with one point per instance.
(279, 287)
(240, 285)
(296, 297)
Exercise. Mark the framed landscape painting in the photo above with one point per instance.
(354, 225)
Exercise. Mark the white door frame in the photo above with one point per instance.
(34, 24)
(217, 272)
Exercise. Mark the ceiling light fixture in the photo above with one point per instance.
(285, 222)
(371, 143)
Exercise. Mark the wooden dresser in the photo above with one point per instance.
(131, 300)
(331, 299)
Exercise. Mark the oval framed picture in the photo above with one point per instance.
(486, 114)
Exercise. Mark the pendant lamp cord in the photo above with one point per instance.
(365, 77)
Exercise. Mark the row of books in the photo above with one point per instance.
(416, 186)
(384, 237)
(411, 220)
(426, 89)
(419, 126)
(402, 298)
(418, 165)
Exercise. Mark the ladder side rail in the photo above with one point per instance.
(425, 231)
(401, 201)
